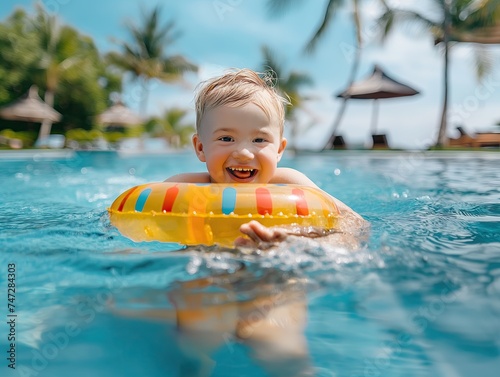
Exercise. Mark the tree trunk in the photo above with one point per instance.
(343, 105)
(46, 124)
(144, 107)
(442, 139)
(145, 97)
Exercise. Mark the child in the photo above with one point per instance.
(239, 135)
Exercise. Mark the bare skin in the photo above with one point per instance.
(244, 145)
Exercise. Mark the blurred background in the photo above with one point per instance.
(121, 74)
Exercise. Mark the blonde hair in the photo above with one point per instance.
(238, 88)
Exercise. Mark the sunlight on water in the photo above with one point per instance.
(420, 298)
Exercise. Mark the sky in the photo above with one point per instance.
(221, 34)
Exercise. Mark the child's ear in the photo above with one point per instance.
(281, 148)
(198, 148)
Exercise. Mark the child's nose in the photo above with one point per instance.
(243, 154)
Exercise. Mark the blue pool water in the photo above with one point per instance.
(422, 298)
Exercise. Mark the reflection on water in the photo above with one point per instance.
(263, 309)
(138, 308)
(266, 313)
(421, 298)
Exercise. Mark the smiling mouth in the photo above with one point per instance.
(242, 173)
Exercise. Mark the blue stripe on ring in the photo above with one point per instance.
(141, 200)
(228, 200)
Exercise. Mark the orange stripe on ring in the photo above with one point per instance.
(300, 202)
(264, 201)
(168, 201)
(122, 204)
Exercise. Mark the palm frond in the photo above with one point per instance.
(298, 79)
(386, 24)
(270, 62)
(145, 53)
(179, 64)
(483, 62)
(288, 84)
(407, 18)
(331, 10)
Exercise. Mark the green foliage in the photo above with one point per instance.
(457, 21)
(88, 136)
(289, 84)
(171, 126)
(79, 134)
(17, 56)
(467, 20)
(136, 131)
(145, 55)
(113, 137)
(331, 10)
(35, 48)
(8, 133)
(66, 66)
(28, 138)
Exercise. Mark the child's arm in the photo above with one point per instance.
(349, 229)
(258, 236)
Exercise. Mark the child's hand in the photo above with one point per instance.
(260, 236)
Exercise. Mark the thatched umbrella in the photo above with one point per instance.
(377, 86)
(30, 108)
(119, 115)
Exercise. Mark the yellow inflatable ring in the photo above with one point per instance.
(193, 214)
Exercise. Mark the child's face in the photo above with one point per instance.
(239, 144)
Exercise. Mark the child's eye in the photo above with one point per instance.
(226, 138)
(259, 140)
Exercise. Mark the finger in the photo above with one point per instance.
(280, 235)
(247, 230)
(270, 235)
(260, 232)
(244, 242)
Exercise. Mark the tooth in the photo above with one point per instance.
(241, 169)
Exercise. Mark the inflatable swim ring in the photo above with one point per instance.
(193, 214)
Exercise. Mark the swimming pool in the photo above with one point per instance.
(421, 299)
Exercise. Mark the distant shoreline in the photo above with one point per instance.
(48, 154)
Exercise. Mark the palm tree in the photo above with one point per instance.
(289, 84)
(172, 127)
(36, 48)
(60, 50)
(145, 56)
(331, 10)
(459, 21)
(478, 23)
